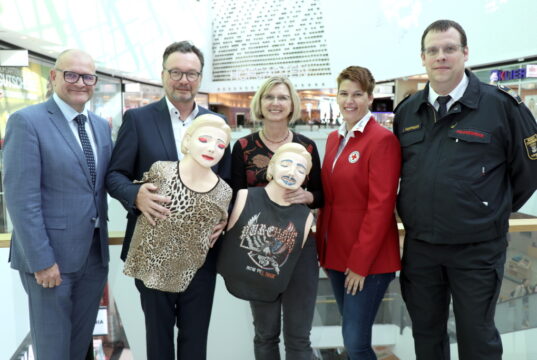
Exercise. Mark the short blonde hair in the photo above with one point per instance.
(293, 148)
(211, 120)
(255, 105)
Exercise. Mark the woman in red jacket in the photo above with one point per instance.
(357, 235)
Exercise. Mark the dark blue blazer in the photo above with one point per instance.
(145, 136)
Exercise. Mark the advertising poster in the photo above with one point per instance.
(20, 87)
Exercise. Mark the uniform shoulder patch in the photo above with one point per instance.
(510, 92)
(531, 146)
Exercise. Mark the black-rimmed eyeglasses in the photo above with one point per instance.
(177, 75)
(72, 77)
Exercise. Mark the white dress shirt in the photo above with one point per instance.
(455, 94)
(70, 114)
(179, 126)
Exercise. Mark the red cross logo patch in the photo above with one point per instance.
(354, 156)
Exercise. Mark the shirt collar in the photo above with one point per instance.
(455, 94)
(359, 126)
(172, 109)
(68, 112)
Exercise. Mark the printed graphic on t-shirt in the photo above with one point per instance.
(268, 246)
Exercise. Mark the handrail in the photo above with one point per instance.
(116, 237)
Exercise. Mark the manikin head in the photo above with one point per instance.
(289, 166)
(206, 140)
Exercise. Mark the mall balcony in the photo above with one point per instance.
(245, 41)
(120, 330)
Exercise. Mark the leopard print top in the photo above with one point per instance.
(166, 256)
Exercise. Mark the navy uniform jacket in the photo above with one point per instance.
(464, 174)
(145, 136)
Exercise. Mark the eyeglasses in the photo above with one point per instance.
(177, 75)
(447, 50)
(280, 98)
(72, 77)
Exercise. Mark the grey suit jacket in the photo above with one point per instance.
(48, 191)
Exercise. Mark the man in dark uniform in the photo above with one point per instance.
(148, 134)
(469, 160)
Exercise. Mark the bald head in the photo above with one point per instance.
(69, 64)
(69, 54)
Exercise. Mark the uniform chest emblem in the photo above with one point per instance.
(354, 157)
(531, 146)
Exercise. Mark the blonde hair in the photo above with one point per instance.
(255, 105)
(206, 120)
(293, 148)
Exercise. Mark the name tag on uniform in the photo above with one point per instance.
(412, 128)
(470, 135)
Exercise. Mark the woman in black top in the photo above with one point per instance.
(276, 104)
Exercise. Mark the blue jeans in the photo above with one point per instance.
(359, 311)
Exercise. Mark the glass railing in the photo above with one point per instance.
(517, 314)
(514, 315)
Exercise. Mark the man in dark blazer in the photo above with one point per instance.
(55, 159)
(154, 133)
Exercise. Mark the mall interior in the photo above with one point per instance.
(244, 42)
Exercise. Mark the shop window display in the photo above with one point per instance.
(19, 87)
(517, 78)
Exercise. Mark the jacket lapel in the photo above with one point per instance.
(163, 122)
(57, 118)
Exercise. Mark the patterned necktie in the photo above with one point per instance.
(86, 146)
(442, 101)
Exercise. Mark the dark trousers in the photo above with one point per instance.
(62, 318)
(190, 310)
(297, 303)
(470, 274)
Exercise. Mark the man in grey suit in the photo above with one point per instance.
(55, 158)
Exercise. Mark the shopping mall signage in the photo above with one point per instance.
(530, 71)
(11, 78)
(14, 58)
(506, 75)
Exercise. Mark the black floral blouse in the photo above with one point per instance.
(250, 158)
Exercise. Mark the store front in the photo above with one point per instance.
(520, 77)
